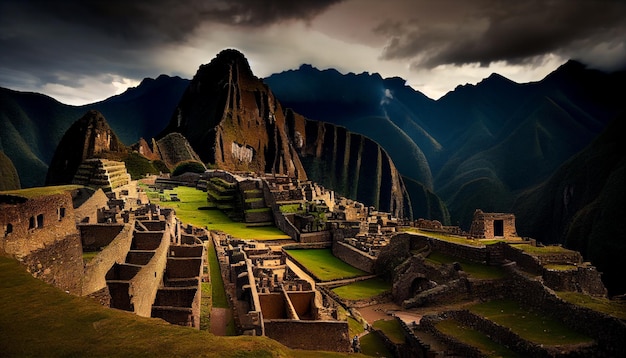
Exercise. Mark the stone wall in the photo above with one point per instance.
(87, 211)
(310, 335)
(41, 233)
(95, 237)
(35, 223)
(354, 257)
(60, 264)
(117, 249)
(312, 237)
(134, 287)
(467, 252)
(493, 225)
(279, 219)
(585, 279)
(607, 330)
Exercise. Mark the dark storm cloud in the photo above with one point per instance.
(58, 41)
(512, 31)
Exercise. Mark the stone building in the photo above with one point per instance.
(493, 225)
(38, 229)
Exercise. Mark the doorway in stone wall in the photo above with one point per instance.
(498, 228)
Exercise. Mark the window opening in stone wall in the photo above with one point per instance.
(8, 230)
(61, 212)
(498, 228)
(40, 220)
(31, 222)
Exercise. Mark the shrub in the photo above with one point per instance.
(189, 166)
(137, 166)
(160, 166)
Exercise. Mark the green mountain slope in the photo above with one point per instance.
(582, 205)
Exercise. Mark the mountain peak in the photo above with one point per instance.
(224, 60)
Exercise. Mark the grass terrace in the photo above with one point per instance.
(541, 250)
(450, 238)
(188, 211)
(323, 265)
(392, 329)
(531, 325)
(30, 193)
(613, 308)
(474, 269)
(474, 338)
(373, 346)
(362, 289)
(290, 208)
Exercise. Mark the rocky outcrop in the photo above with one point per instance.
(9, 180)
(88, 137)
(232, 119)
(174, 148)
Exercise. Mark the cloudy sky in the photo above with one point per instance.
(83, 51)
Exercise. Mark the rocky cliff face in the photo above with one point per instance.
(349, 163)
(232, 119)
(88, 137)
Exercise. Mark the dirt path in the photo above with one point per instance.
(219, 319)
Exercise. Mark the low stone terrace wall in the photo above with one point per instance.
(97, 268)
(311, 335)
(608, 331)
(354, 257)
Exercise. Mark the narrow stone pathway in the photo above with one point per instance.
(219, 319)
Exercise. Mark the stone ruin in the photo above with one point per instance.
(493, 226)
(102, 173)
(271, 298)
(138, 259)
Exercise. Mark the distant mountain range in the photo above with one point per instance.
(498, 145)
(476, 147)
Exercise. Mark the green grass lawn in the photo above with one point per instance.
(392, 329)
(528, 324)
(373, 346)
(613, 308)
(474, 269)
(218, 294)
(474, 338)
(444, 237)
(541, 250)
(325, 266)
(362, 289)
(187, 211)
(41, 191)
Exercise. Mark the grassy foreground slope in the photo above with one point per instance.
(39, 320)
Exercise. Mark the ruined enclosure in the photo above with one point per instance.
(493, 225)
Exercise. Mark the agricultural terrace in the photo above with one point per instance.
(449, 238)
(542, 250)
(392, 329)
(474, 269)
(193, 209)
(474, 338)
(363, 289)
(614, 308)
(323, 265)
(529, 324)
